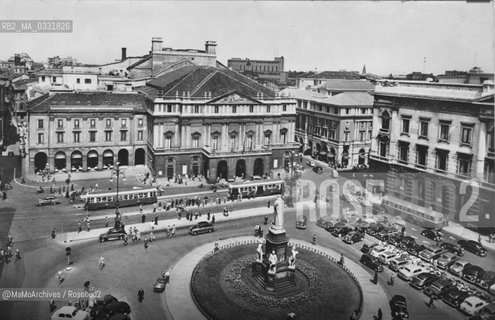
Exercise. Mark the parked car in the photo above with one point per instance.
(398, 306)
(318, 169)
(473, 247)
(377, 251)
(394, 240)
(70, 312)
(339, 224)
(374, 229)
(311, 163)
(341, 231)
(430, 253)
(446, 260)
(386, 257)
(458, 267)
(115, 308)
(407, 242)
(410, 271)
(487, 313)
(385, 233)
(472, 273)
(423, 280)
(432, 234)
(353, 237)
(452, 247)
(438, 288)
(486, 280)
(371, 262)
(301, 222)
(113, 234)
(454, 297)
(415, 249)
(396, 263)
(48, 200)
(159, 285)
(323, 223)
(367, 248)
(472, 305)
(201, 227)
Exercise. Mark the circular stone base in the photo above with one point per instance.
(223, 287)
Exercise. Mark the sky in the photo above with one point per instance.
(387, 37)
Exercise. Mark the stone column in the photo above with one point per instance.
(479, 159)
(176, 135)
(224, 137)
(100, 161)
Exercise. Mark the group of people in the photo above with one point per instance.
(6, 255)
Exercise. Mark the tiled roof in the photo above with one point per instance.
(89, 102)
(347, 85)
(341, 99)
(197, 80)
(334, 75)
(302, 94)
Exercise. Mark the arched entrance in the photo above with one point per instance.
(317, 151)
(93, 159)
(139, 156)
(60, 160)
(258, 169)
(331, 156)
(40, 160)
(222, 170)
(323, 154)
(108, 158)
(195, 166)
(345, 158)
(123, 157)
(170, 168)
(362, 157)
(240, 168)
(76, 160)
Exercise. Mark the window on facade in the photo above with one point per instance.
(361, 135)
(87, 81)
(383, 149)
(234, 109)
(41, 138)
(54, 79)
(195, 141)
(363, 111)
(423, 129)
(108, 123)
(76, 123)
(251, 109)
(168, 142)
(267, 139)
(405, 125)
(466, 135)
(42, 78)
(464, 165)
(421, 156)
(77, 137)
(249, 142)
(60, 137)
(123, 123)
(92, 136)
(60, 123)
(40, 124)
(78, 80)
(92, 123)
(385, 121)
(214, 143)
(442, 157)
(140, 135)
(403, 152)
(123, 135)
(169, 108)
(232, 143)
(284, 107)
(370, 133)
(140, 122)
(108, 136)
(196, 109)
(268, 108)
(283, 137)
(444, 132)
(331, 134)
(217, 109)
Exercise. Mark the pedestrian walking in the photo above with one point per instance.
(143, 218)
(208, 215)
(152, 236)
(140, 295)
(2, 256)
(167, 232)
(196, 215)
(314, 239)
(375, 278)
(430, 303)
(130, 232)
(101, 262)
(79, 227)
(380, 314)
(266, 220)
(138, 235)
(213, 219)
(106, 222)
(156, 220)
(10, 240)
(479, 238)
(341, 262)
(52, 305)
(154, 207)
(392, 280)
(53, 233)
(140, 208)
(17, 255)
(87, 227)
(173, 230)
(60, 277)
(145, 243)
(268, 204)
(126, 239)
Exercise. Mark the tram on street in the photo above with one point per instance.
(108, 199)
(413, 213)
(256, 188)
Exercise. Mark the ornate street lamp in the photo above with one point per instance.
(117, 213)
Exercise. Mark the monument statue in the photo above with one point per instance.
(260, 252)
(292, 259)
(279, 212)
(273, 261)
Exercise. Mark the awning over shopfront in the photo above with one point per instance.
(76, 155)
(60, 155)
(92, 154)
(108, 154)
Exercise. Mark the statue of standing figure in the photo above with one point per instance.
(259, 252)
(279, 212)
(273, 261)
(292, 259)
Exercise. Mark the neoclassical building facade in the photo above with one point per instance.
(86, 131)
(214, 122)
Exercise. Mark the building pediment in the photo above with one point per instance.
(234, 98)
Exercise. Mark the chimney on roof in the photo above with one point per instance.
(210, 47)
(156, 44)
(124, 54)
